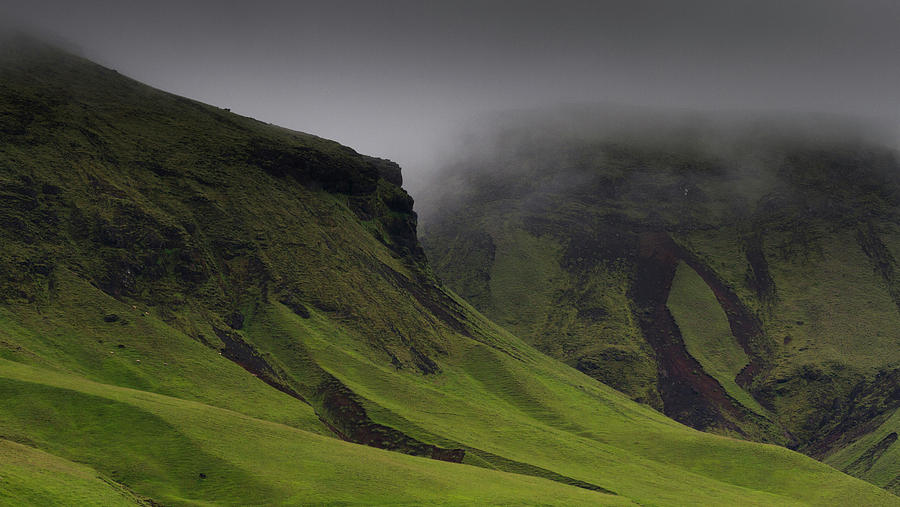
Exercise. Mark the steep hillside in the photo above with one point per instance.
(199, 308)
(738, 275)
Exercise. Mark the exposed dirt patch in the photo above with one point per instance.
(518, 467)
(758, 277)
(423, 362)
(342, 412)
(608, 238)
(689, 394)
(745, 326)
(293, 300)
(248, 358)
(336, 405)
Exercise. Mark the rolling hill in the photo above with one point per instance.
(197, 308)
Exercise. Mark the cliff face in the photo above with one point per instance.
(736, 275)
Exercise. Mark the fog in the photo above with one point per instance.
(685, 168)
(407, 80)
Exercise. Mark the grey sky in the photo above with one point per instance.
(397, 78)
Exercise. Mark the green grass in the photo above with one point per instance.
(32, 477)
(727, 191)
(529, 292)
(518, 405)
(160, 445)
(884, 470)
(707, 334)
(200, 229)
(536, 411)
(835, 307)
(525, 270)
(721, 249)
(154, 356)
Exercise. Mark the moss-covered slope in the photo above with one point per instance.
(738, 275)
(197, 308)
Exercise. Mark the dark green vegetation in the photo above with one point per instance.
(739, 277)
(198, 308)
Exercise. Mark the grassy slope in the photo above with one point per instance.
(831, 318)
(836, 324)
(527, 290)
(536, 412)
(32, 477)
(72, 336)
(517, 273)
(831, 305)
(121, 200)
(161, 445)
(707, 334)
(865, 457)
(529, 410)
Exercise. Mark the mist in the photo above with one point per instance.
(407, 80)
(719, 166)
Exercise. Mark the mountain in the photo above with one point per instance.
(736, 272)
(200, 308)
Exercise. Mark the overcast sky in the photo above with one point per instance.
(397, 78)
